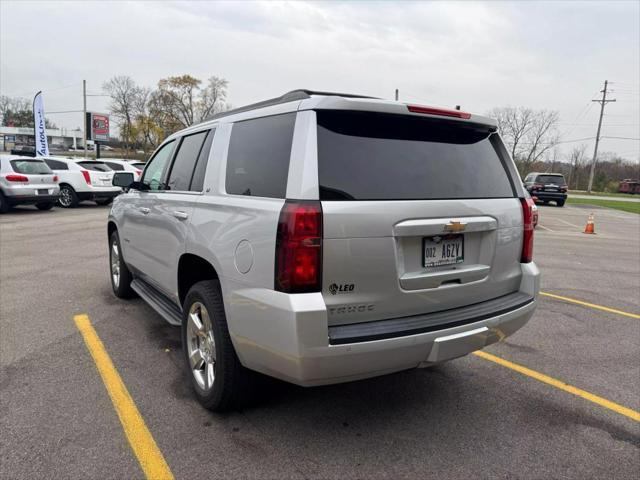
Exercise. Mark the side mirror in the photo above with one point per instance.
(122, 179)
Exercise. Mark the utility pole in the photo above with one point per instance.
(84, 115)
(602, 103)
(397, 94)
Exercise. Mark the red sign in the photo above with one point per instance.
(97, 127)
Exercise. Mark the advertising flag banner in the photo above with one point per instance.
(42, 147)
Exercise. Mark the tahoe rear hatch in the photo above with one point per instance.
(420, 215)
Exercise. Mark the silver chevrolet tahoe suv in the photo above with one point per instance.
(322, 238)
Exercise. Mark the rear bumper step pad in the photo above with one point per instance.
(400, 327)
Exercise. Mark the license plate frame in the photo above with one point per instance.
(437, 241)
(42, 191)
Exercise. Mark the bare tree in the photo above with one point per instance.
(12, 104)
(213, 97)
(576, 158)
(528, 133)
(124, 94)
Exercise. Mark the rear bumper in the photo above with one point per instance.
(287, 336)
(98, 194)
(31, 199)
(549, 196)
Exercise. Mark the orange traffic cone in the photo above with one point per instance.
(591, 226)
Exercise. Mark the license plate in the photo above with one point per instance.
(43, 191)
(443, 250)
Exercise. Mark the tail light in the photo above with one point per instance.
(537, 186)
(563, 189)
(298, 266)
(87, 177)
(444, 112)
(528, 206)
(55, 179)
(138, 172)
(16, 178)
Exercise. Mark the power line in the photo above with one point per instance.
(47, 90)
(623, 138)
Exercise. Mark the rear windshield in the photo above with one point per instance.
(372, 156)
(139, 165)
(95, 166)
(30, 167)
(555, 179)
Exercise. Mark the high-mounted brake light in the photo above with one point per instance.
(527, 238)
(16, 178)
(298, 266)
(445, 112)
(87, 177)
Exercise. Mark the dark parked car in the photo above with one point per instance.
(547, 187)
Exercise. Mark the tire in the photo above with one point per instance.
(104, 201)
(560, 203)
(44, 206)
(4, 206)
(118, 272)
(68, 197)
(231, 385)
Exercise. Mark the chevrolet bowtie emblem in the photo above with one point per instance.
(455, 226)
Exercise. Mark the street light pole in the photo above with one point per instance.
(84, 115)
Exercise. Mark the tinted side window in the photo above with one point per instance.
(115, 166)
(56, 165)
(185, 161)
(258, 159)
(197, 182)
(153, 175)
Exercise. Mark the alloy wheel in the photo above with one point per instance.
(65, 197)
(115, 264)
(201, 346)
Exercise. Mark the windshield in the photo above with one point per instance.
(373, 156)
(30, 167)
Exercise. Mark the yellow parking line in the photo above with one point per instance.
(590, 305)
(603, 402)
(142, 443)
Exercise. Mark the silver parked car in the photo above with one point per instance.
(322, 238)
(27, 181)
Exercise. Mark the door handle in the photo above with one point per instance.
(180, 215)
(144, 210)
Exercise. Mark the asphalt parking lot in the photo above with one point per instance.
(469, 418)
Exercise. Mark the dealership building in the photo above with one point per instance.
(58, 138)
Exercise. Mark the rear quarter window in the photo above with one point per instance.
(56, 164)
(95, 166)
(372, 156)
(115, 166)
(258, 158)
(30, 167)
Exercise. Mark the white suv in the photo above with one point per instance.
(323, 238)
(26, 181)
(83, 179)
(124, 165)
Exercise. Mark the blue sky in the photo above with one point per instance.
(552, 55)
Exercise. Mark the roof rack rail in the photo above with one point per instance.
(293, 95)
